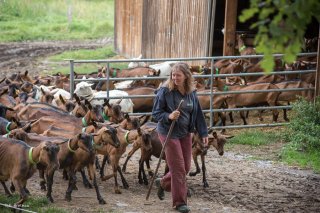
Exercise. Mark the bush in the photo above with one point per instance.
(305, 125)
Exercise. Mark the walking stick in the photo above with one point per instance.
(162, 151)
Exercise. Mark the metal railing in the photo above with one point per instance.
(211, 76)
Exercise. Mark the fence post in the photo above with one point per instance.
(317, 83)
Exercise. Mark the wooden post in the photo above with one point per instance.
(230, 23)
(317, 83)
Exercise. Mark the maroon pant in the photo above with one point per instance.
(178, 157)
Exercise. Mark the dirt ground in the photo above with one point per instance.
(238, 181)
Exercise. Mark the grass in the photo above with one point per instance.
(290, 153)
(295, 157)
(255, 138)
(22, 20)
(100, 53)
(37, 204)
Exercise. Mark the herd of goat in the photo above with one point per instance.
(45, 128)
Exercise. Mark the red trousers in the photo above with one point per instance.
(178, 157)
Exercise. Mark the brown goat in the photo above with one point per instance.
(66, 161)
(217, 141)
(18, 160)
(126, 137)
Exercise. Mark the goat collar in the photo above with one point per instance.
(30, 156)
(7, 127)
(84, 122)
(114, 74)
(242, 48)
(225, 88)
(126, 137)
(71, 150)
(217, 70)
(105, 117)
(96, 146)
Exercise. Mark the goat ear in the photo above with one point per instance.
(106, 103)
(228, 136)
(62, 99)
(4, 92)
(79, 136)
(126, 116)
(3, 80)
(27, 127)
(214, 134)
(26, 73)
(139, 131)
(87, 103)
(76, 97)
(94, 124)
(42, 91)
(45, 147)
(119, 101)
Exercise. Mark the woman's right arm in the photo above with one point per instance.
(160, 104)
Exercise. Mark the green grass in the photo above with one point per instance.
(293, 156)
(37, 204)
(100, 53)
(22, 20)
(255, 138)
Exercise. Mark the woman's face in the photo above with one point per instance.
(178, 77)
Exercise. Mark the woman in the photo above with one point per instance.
(180, 86)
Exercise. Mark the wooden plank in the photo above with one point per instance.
(230, 23)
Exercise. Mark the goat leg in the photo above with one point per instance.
(72, 183)
(6, 190)
(243, 118)
(49, 177)
(42, 180)
(105, 159)
(12, 187)
(132, 151)
(85, 180)
(195, 160)
(92, 173)
(116, 186)
(20, 188)
(124, 181)
(140, 172)
(204, 178)
(145, 179)
(150, 172)
(97, 163)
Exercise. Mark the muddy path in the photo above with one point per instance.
(238, 181)
(15, 57)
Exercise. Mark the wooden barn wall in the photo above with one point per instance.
(162, 28)
(175, 28)
(128, 25)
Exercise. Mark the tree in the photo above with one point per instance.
(281, 26)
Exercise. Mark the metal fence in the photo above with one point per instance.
(211, 76)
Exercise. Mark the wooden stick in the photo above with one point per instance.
(162, 152)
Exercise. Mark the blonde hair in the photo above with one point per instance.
(188, 84)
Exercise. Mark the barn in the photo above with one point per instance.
(179, 28)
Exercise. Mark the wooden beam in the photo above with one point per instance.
(230, 22)
(317, 83)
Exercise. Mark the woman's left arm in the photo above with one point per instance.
(200, 122)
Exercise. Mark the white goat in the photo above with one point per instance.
(126, 104)
(132, 65)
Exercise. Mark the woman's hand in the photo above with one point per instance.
(205, 141)
(174, 115)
